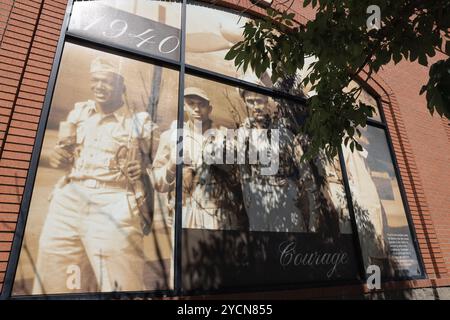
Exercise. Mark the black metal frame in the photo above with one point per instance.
(183, 69)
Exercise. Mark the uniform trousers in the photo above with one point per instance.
(95, 230)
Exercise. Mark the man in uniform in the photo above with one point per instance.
(211, 192)
(95, 218)
(277, 202)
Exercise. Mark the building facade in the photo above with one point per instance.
(99, 197)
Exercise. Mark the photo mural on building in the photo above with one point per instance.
(103, 228)
(250, 206)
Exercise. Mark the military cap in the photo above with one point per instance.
(193, 91)
(103, 65)
(264, 81)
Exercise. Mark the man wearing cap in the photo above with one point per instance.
(211, 192)
(278, 201)
(93, 229)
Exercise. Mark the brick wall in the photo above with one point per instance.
(429, 148)
(417, 202)
(29, 36)
(29, 31)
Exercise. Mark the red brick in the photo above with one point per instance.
(33, 4)
(29, 103)
(13, 181)
(16, 155)
(22, 132)
(27, 110)
(4, 53)
(22, 19)
(13, 48)
(25, 13)
(26, 7)
(8, 89)
(2, 264)
(16, 42)
(13, 62)
(20, 139)
(11, 190)
(25, 117)
(17, 30)
(3, 255)
(6, 198)
(10, 75)
(14, 164)
(34, 83)
(10, 68)
(5, 246)
(10, 82)
(15, 35)
(9, 217)
(33, 90)
(21, 24)
(32, 97)
(13, 172)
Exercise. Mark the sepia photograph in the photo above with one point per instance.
(95, 223)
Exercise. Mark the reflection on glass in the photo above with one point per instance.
(210, 33)
(147, 26)
(382, 225)
(95, 223)
(366, 98)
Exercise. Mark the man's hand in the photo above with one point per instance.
(60, 158)
(134, 170)
(188, 179)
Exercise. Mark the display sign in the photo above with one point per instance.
(107, 24)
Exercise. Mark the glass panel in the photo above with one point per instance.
(147, 26)
(210, 33)
(381, 218)
(366, 98)
(95, 223)
(250, 207)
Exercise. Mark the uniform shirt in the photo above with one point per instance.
(276, 202)
(212, 197)
(103, 141)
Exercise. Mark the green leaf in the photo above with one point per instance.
(346, 141)
(396, 56)
(423, 60)
(231, 54)
(358, 147)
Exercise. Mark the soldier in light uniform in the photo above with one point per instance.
(211, 192)
(98, 209)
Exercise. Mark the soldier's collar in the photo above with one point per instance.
(120, 114)
(249, 123)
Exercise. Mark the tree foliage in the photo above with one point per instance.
(412, 30)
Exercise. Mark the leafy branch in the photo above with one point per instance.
(412, 30)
